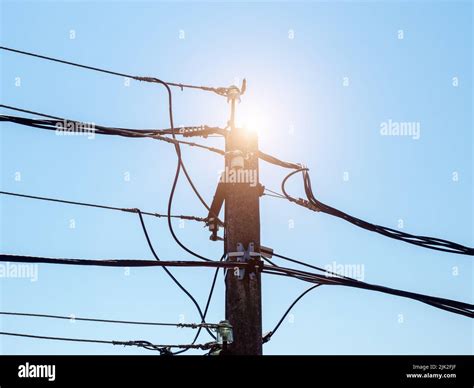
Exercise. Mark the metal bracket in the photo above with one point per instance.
(233, 93)
(244, 256)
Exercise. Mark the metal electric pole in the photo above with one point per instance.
(240, 189)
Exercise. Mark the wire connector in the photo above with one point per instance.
(305, 203)
(202, 131)
(248, 256)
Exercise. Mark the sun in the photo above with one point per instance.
(251, 121)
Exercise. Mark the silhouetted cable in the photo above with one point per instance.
(168, 272)
(273, 160)
(453, 306)
(220, 90)
(127, 133)
(206, 309)
(119, 263)
(91, 130)
(64, 126)
(127, 210)
(426, 242)
(130, 133)
(74, 318)
(144, 344)
(269, 335)
(312, 266)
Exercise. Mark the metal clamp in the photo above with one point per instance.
(233, 93)
(244, 256)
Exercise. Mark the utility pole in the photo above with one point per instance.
(243, 299)
(240, 190)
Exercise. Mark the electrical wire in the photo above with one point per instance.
(273, 196)
(208, 303)
(312, 266)
(220, 90)
(180, 166)
(89, 130)
(269, 335)
(127, 133)
(119, 263)
(157, 134)
(426, 242)
(144, 344)
(74, 318)
(168, 272)
(61, 125)
(127, 210)
(453, 306)
(274, 193)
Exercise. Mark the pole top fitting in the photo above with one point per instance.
(233, 93)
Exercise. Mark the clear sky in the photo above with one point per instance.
(322, 80)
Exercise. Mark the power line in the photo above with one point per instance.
(168, 272)
(328, 278)
(143, 344)
(311, 202)
(269, 335)
(120, 262)
(88, 129)
(206, 309)
(74, 318)
(127, 210)
(180, 166)
(427, 242)
(450, 305)
(312, 266)
(223, 91)
(68, 126)
(272, 193)
(132, 133)
(128, 133)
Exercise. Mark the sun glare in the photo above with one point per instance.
(252, 122)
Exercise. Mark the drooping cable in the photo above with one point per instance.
(269, 335)
(453, 306)
(168, 272)
(426, 242)
(143, 344)
(208, 303)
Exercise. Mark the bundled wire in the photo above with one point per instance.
(426, 242)
(120, 262)
(163, 349)
(328, 278)
(324, 278)
(67, 126)
(60, 126)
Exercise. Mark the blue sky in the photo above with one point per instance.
(295, 57)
